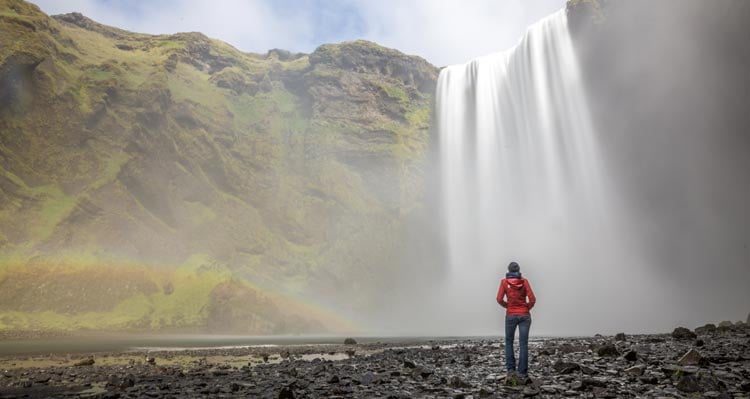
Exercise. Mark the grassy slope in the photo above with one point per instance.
(288, 174)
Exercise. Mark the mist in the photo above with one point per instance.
(650, 232)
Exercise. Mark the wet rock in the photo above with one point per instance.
(631, 356)
(286, 393)
(620, 337)
(588, 383)
(458, 382)
(350, 341)
(682, 333)
(566, 367)
(608, 350)
(689, 384)
(635, 370)
(367, 378)
(691, 358)
(648, 379)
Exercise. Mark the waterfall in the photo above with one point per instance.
(522, 180)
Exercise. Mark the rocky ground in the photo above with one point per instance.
(712, 362)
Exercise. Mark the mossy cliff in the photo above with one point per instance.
(138, 169)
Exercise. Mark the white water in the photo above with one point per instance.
(522, 180)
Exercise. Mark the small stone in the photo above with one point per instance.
(457, 382)
(409, 364)
(648, 379)
(699, 343)
(566, 367)
(635, 370)
(367, 378)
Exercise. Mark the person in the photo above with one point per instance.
(517, 290)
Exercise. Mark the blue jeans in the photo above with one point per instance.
(524, 323)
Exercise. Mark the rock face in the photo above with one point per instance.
(205, 165)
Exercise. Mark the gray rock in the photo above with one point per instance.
(690, 358)
(566, 367)
(682, 333)
(608, 350)
(689, 384)
(635, 370)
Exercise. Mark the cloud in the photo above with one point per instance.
(444, 32)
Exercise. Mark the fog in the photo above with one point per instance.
(624, 196)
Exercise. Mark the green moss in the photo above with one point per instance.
(395, 92)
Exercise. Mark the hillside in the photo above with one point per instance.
(174, 183)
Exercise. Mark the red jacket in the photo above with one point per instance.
(516, 289)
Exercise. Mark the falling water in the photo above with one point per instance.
(522, 180)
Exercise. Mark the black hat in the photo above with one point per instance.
(513, 267)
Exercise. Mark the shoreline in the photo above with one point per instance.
(647, 365)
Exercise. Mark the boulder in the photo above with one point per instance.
(620, 337)
(690, 358)
(682, 333)
(631, 356)
(707, 329)
(350, 341)
(608, 350)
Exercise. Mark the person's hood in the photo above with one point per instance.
(514, 279)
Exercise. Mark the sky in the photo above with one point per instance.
(444, 32)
